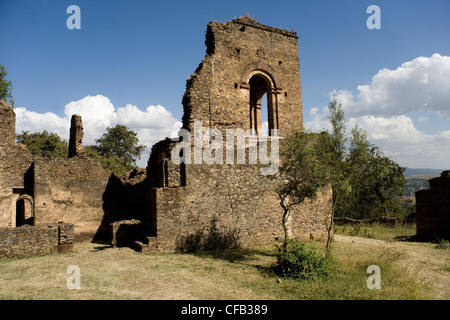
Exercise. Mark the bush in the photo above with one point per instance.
(294, 260)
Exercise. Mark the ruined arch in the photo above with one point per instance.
(24, 210)
(260, 79)
(263, 68)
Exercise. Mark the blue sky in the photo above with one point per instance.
(140, 54)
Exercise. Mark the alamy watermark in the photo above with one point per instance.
(74, 279)
(74, 20)
(208, 146)
(374, 280)
(374, 21)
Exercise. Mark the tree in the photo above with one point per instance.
(376, 181)
(364, 181)
(5, 87)
(302, 173)
(44, 144)
(118, 149)
(334, 157)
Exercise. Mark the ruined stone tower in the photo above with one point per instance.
(76, 148)
(247, 65)
(248, 77)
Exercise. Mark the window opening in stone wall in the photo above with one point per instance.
(24, 212)
(262, 115)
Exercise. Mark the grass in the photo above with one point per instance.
(234, 274)
(378, 231)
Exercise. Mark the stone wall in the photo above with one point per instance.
(76, 148)
(231, 205)
(219, 92)
(36, 240)
(16, 170)
(433, 208)
(194, 205)
(70, 190)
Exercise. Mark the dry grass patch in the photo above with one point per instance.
(235, 274)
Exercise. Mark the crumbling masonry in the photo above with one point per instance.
(232, 204)
(249, 76)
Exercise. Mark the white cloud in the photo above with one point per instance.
(98, 113)
(399, 139)
(418, 85)
(383, 109)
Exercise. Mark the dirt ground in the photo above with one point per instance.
(424, 260)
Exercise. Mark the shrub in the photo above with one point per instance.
(294, 260)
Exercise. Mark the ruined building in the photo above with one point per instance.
(62, 196)
(433, 209)
(249, 76)
(245, 63)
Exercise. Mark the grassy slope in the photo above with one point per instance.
(112, 273)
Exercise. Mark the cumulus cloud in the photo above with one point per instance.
(98, 113)
(384, 108)
(399, 139)
(418, 85)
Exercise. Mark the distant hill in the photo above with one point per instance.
(414, 172)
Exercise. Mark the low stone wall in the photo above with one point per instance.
(125, 233)
(36, 240)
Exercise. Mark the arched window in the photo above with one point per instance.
(264, 86)
(261, 105)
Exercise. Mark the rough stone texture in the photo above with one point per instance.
(16, 170)
(433, 208)
(36, 240)
(77, 190)
(76, 148)
(7, 123)
(125, 232)
(70, 190)
(200, 206)
(220, 90)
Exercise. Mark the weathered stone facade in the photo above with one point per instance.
(232, 203)
(70, 190)
(249, 76)
(16, 172)
(36, 240)
(433, 208)
(245, 60)
(36, 190)
(76, 148)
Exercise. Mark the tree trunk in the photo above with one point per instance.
(330, 227)
(286, 226)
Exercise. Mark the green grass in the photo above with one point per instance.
(120, 273)
(378, 231)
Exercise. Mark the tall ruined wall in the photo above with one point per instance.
(433, 208)
(236, 203)
(15, 166)
(76, 148)
(218, 92)
(70, 190)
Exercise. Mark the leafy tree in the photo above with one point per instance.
(44, 144)
(118, 149)
(334, 157)
(364, 181)
(5, 86)
(376, 181)
(302, 173)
